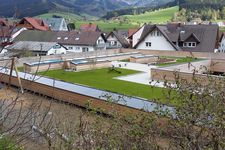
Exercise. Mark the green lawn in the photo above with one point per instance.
(68, 16)
(101, 79)
(108, 25)
(132, 21)
(159, 16)
(179, 60)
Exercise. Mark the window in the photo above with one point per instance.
(66, 38)
(77, 48)
(70, 47)
(189, 44)
(58, 38)
(148, 44)
(85, 49)
(57, 47)
(158, 33)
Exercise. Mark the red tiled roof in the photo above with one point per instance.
(36, 23)
(89, 27)
(131, 32)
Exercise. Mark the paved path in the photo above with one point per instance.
(141, 78)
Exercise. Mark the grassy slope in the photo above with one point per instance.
(67, 16)
(160, 16)
(107, 25)
(134, 21)
(101, 79)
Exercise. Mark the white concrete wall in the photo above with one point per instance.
(157, 43)
(222, 45)
(54, 51)
(137, 35)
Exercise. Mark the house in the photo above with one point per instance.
(116, 40)
(56, 24)
(36, 48)
(89, 27)
(222, 43)
(74, 41)
(8, 34)
(81, 41)
(176, 37)
(33, 24)
(221, 24)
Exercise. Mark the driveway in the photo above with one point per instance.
(142, 78)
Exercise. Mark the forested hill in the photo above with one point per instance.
(200, 10)
(202, 3)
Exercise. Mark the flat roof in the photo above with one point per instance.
(128, 101)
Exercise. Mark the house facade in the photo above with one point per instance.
(74, 41)
(56, 24)
(155, 41)
(36, 48)
(115, 40)
(222, 44)
(176, 37)
(81, 41)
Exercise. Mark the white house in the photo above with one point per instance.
(81, 41)
(115, 40)
(56, 24)
(36, 48)
(176, 37)
(222, 44)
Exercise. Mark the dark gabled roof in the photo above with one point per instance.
(32, 46)
(35, 35)
(149, 28)
(205, 35)
(78, 38)
(120, 38)
(62, 37)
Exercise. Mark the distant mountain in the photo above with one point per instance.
(23, 8)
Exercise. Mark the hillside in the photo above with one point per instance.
(21, 8)
(158, 16)
(204, 10)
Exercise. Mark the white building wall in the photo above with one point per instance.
(63, 26)
(113, 42)
(78, 48)
(158, 42)
(222, 45)
(101, 44)
(137, 35)
(58, 50)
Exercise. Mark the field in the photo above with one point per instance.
(101, 79)
(159, 16)
(108, 25)
(125, 22)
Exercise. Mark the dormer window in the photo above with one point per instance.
(189, 44)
